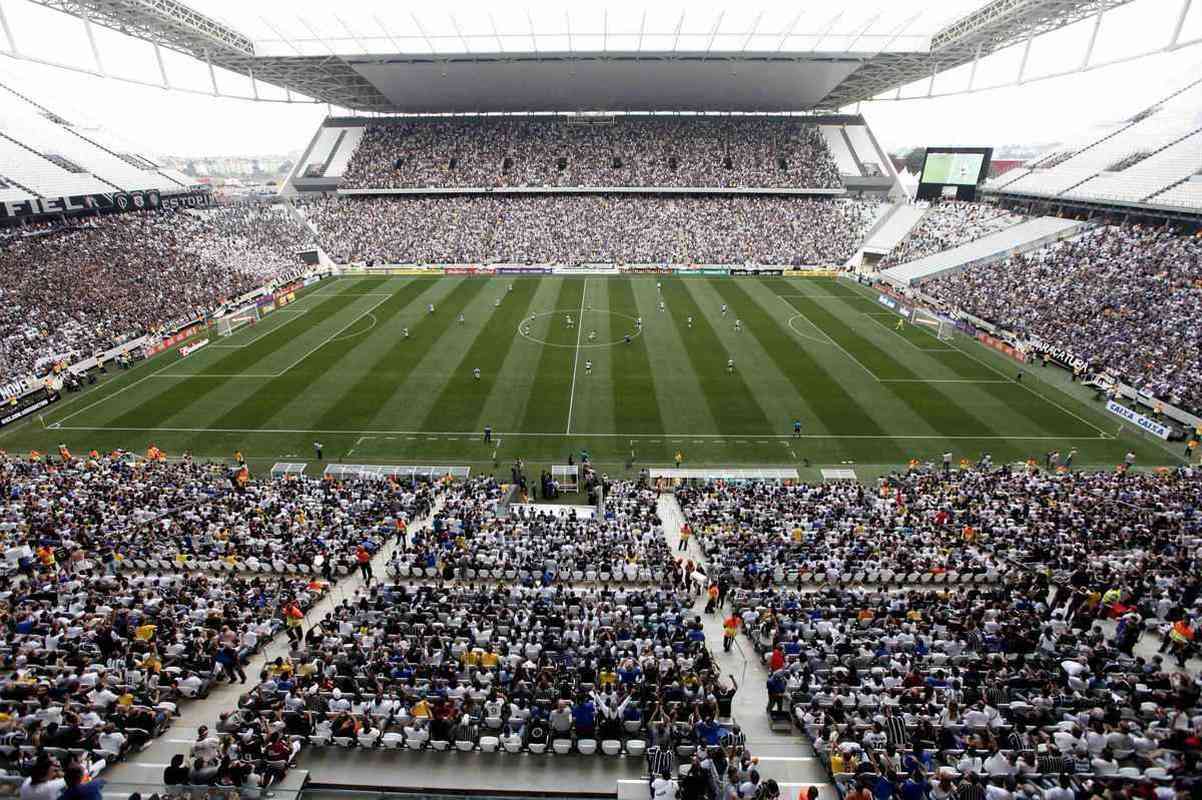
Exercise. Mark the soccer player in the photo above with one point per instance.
(690, 322)
(510, 289)
(568, 320)
(659, 287)
(498, 303)
(430, 308)
(476, 373)
(738, 325)
(661, 305)
(488, 433)
(724, 309)
(404, 333)
(461, 319)
(588, 367)
(317, 447)
(796, 429)
(592, 336)
(730, 365)
(627, 338)
(639, 323)
(901, 323)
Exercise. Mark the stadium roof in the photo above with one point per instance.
(710, 73)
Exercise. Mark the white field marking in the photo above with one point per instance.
(944, 380)
(335, 334)
(297, 311)
(159, 372)
(525, 321)
(805, 335)
(789, 447)
(107, 397)
(828, 336)
(1103, 434)
(576, 357)
(496, 448)
(417, 434)
(216, 375)
(357, 333)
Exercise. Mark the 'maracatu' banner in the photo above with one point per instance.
(108, 201)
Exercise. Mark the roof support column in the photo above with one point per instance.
(158, 57)
(972, 76)
(212, 74)
(1022, 67)
(1185, 4)
(87, 26)
(8, 32)
(1093, 38)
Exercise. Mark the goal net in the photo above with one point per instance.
(232, 322)
(941, 328)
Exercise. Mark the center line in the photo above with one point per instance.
(576, 357)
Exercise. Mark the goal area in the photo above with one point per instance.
(941, 328)
(232, 322)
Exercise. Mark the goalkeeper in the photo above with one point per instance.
(901, 323)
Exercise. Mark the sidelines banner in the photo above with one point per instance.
(647, 270)
(171, 341)
(1136, 418)
(309, 281)
(802, 272)
(27, 405)
(266, 304)
(598, 270)
(1002, 347)
(1058, 354)
(756, 271)
(887, 301)
(518, 270)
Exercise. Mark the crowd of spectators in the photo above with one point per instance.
(948, 224)
(475, 666)
(1046, 681)
(135, 513)
(91, 284)
(684, 151)
(1126, 299)
(467, 540)
(970, 521)
(579, 229)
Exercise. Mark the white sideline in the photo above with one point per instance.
(653, 437)
(576, 357)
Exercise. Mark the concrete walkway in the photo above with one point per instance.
(146, 767)
(784, 757)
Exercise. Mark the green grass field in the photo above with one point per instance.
(334, 367)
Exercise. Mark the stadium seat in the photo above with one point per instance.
(562, 746)
(635, 747)
(489, 744)
(611, 747)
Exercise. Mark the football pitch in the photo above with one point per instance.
(336, 367)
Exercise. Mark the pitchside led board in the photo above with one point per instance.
(953, 172)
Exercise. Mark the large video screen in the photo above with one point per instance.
(956, 168)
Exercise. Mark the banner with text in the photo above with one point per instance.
(1136, 418)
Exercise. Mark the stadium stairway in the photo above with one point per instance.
(786, 757)
(145, 768)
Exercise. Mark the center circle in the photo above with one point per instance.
(525, 332)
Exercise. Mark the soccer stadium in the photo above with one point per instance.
(601, 402)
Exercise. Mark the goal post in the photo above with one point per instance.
(232, 322)
(939, 327)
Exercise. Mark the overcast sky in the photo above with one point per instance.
(196, 123)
